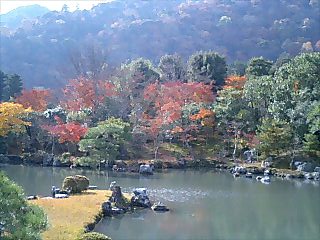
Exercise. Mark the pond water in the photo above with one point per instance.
(204, 204)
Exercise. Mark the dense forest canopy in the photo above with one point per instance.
(59, 45)
(195, 111)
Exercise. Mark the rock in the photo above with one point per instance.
(61, 195)
(239, 170)
(267, 172)
(140, 191)
(250, 155)
(317, 169)
(266, 164)
(93, 236)
(106, 209)
(297, 163)
(316, 176)
(159, 207)
(75, 184)
(140, 198)
(145, 169)
(116, 194)
(249, 175)
(114, 167)
(112, 184)
(32, 197)
(308, 176)
(181, 163)
(56, 162)
(265, 179)
(116, 210)
(259, 178)
(117, 168)
(288, 176)
(305, 167)
(120, 163)
(255, 170)
(236, 174)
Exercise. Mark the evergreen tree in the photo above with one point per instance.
(19, 220)
(13, 87)
(258, 67)
(207, 67)
(275, 137)
(102, 143)
(3, 77)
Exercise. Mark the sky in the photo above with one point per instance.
(8, 5)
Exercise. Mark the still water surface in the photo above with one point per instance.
(205, 204)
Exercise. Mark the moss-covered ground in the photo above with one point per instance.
(69, 217)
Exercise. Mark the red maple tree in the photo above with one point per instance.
(37, 99)
(66, 132)
(85, 93)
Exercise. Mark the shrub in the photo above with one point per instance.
(75, 183)
(93, 236)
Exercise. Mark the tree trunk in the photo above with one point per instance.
(235, 146)
(191, 152)
(52, 148)
(156, 148)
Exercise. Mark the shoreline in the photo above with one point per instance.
(64, 218)
(239, 167)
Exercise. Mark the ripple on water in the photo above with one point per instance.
(183, 194)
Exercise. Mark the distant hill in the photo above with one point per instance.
(44, 53)
(14, 18)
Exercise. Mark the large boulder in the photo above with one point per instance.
(106, 209)
(76, 184)
(140, 198)
(145, 169)
(117, 199)
(305, 167)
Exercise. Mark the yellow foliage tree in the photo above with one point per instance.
(11, 118)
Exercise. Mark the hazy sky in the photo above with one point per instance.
(8, 5)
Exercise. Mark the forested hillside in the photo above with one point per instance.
(47, 51)
(22, 15)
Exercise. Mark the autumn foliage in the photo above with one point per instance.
(167, 101)
(11, 118)
(235, 82)
(66, 132)
(83, 93)
(37, 99)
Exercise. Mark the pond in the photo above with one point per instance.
(204, 204)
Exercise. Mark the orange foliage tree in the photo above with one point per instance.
(236, 82)
(37, 99)
(165, 109)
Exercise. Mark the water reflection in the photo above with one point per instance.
(204, 204)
